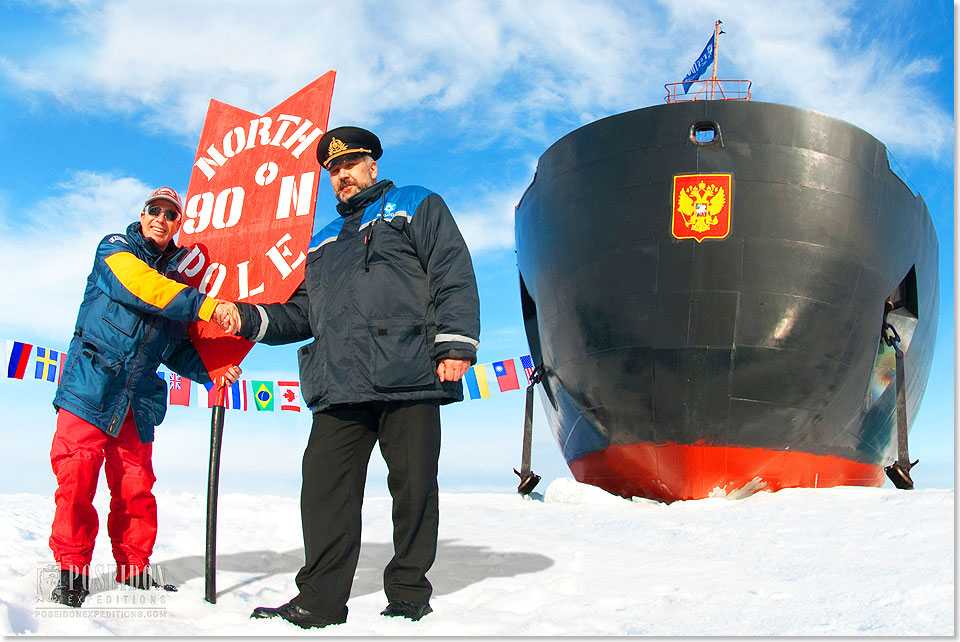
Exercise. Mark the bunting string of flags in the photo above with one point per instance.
(481, 381)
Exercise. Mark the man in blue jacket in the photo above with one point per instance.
(390, 300)
(133, 317)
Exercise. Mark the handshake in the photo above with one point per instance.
(227, 316)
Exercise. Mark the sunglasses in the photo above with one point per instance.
(170, 215)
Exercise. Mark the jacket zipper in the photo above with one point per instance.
(133, 371)
(368, 236)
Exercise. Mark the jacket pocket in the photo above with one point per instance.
(151, 400)
(400, 355)
(122, 318)
(89, 372)
(313, 373)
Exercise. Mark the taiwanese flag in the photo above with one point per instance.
(506, 375)
(18, 355)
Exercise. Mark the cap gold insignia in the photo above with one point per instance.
(337, 146)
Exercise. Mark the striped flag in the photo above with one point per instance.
(262, 395)
(234, 397)
(470, 378)
(506, 375)
(237, 395)
(18, 355)
(47, 362)
(476, 378)
(289, 393)
(63, 358)
(527, 364)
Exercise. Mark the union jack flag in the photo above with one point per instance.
(176, 381)
(527, 364)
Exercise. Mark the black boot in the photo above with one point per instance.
(294, 615)
(145, 582)
(409, 610)
(72, 589)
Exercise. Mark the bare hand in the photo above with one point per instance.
(227, 316)
(232, 374)
(452, 369)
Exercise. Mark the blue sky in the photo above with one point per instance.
(102, 102)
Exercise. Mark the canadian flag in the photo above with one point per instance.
(289, 394)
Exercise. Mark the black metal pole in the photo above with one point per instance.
(528, 479)
(213, 483)
(899, 471)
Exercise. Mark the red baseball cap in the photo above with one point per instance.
(165, 193)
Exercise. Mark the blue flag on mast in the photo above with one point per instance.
(703, 61)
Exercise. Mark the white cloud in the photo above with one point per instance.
(497, 65)
(56, 250)
(487, 223)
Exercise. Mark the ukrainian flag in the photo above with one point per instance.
(476, 378)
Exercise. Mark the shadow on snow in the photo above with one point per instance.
(457, 566)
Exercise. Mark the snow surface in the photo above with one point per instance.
(572, 561)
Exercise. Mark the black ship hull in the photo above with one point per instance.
(746, 355)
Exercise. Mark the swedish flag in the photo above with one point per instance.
(47, 362)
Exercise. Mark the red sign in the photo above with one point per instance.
(248, 216)
(702, 206)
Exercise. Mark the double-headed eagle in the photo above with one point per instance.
(700, 204)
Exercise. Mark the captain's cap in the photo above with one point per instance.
(341, 141)
(167, 194)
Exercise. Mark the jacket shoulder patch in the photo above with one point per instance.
(404, 201)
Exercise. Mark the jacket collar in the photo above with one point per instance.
(149, 246)
(359, 201)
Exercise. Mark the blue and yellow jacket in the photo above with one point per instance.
(133, 317)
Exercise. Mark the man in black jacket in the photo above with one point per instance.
(390, 299)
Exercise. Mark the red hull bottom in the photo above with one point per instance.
(669, 472)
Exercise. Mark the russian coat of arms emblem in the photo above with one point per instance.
(702, 206)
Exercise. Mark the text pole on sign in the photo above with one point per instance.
(248, 219)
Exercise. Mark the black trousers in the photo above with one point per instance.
(334, 474)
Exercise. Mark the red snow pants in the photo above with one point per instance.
(79, 448)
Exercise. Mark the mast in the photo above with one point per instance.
(716, 55)
(709, 88)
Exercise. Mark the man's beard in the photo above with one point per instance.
(349, 182)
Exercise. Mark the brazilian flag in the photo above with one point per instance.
(263, 394)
